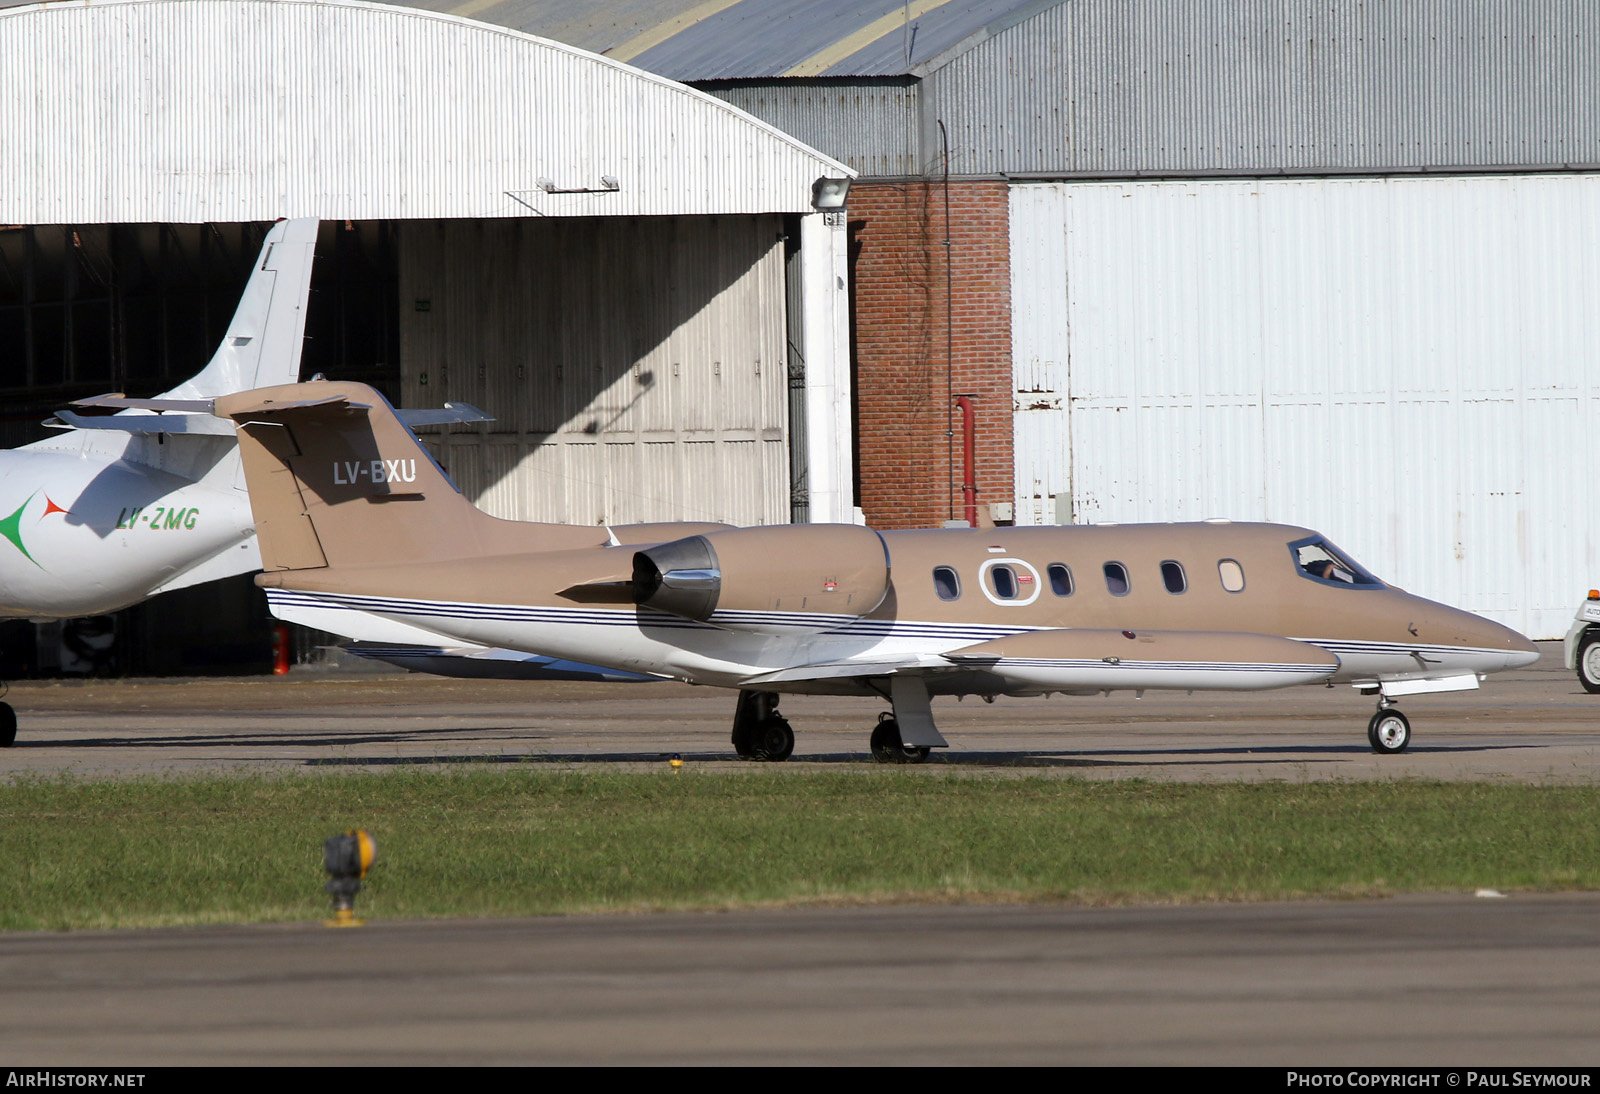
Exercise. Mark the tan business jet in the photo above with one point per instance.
(362, 534)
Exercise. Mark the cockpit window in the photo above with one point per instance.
(946, 583)
(1318, 560)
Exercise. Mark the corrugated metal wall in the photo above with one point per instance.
(1408, 365)
(871, 125)
(636, 368)
(133, 111)
(1120, 86)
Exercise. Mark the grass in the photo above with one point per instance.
(530, 841)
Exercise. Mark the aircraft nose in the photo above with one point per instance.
(1485, 634)
(1523, 652)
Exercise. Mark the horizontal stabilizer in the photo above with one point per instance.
(242, 406)
(449, 414)
(145, 424)
(118, 401)
(1101, 660)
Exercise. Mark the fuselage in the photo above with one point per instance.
(83, 533)
(948, 590)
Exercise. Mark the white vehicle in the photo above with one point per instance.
(1583, 643)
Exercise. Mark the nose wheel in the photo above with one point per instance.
(1389, 732)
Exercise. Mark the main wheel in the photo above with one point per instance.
(887, 748)
(772, 740)
(1589, 663)
(742, 743)
(8, 726)
(1389, 732)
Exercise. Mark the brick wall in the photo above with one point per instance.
(904, 374)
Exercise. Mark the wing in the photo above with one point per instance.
(1089, 660)
(1101, 660)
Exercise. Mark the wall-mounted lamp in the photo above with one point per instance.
(829, 193)
(607, 184)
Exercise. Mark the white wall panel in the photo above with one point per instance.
(1407, 365)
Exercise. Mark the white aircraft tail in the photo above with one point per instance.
(264, 341)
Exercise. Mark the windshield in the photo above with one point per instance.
(1318, 560)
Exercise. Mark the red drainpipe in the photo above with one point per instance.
(969, 487)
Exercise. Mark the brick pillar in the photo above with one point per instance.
(909, 463)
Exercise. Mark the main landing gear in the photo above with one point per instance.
(759, 731)
(8, 723)
(1388, 732)
(887, 747)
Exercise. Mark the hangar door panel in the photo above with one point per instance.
(635, 367)
(1404, 364)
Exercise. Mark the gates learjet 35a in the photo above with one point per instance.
(361, 533)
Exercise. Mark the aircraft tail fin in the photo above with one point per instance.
(264, 340)
(337, 479)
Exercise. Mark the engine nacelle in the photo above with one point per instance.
(800, 576)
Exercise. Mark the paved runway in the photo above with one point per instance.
(1437, 981)
(1535, 724)
(1443, 980)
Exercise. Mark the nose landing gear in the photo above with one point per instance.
(1388, 732)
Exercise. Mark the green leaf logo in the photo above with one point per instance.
(11, 528)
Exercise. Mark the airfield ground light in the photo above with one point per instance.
(347, 859)
(676, 762)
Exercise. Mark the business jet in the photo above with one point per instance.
(361, 533)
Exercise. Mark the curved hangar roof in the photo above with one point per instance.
(232, 110)
(761, 39)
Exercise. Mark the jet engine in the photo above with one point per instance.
(806, 576)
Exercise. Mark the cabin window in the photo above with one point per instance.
(1318, 560)
(1172, 576)
(946, 583)
(1232, 575)
(1117, 578)
(1060, 579)
(1005, 582)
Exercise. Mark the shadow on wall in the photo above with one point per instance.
(590, 340)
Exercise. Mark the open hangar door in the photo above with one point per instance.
(635, 367)
(1407, 365)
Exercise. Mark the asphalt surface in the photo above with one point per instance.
(1533, 725)
(1453, 981)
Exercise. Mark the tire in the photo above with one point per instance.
(1589, 663)
(1389, 732)
(772, 740)
(887, 748)
(742, 743)
(8, 726)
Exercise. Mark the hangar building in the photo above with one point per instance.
(629, 274)
(1327, 264)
